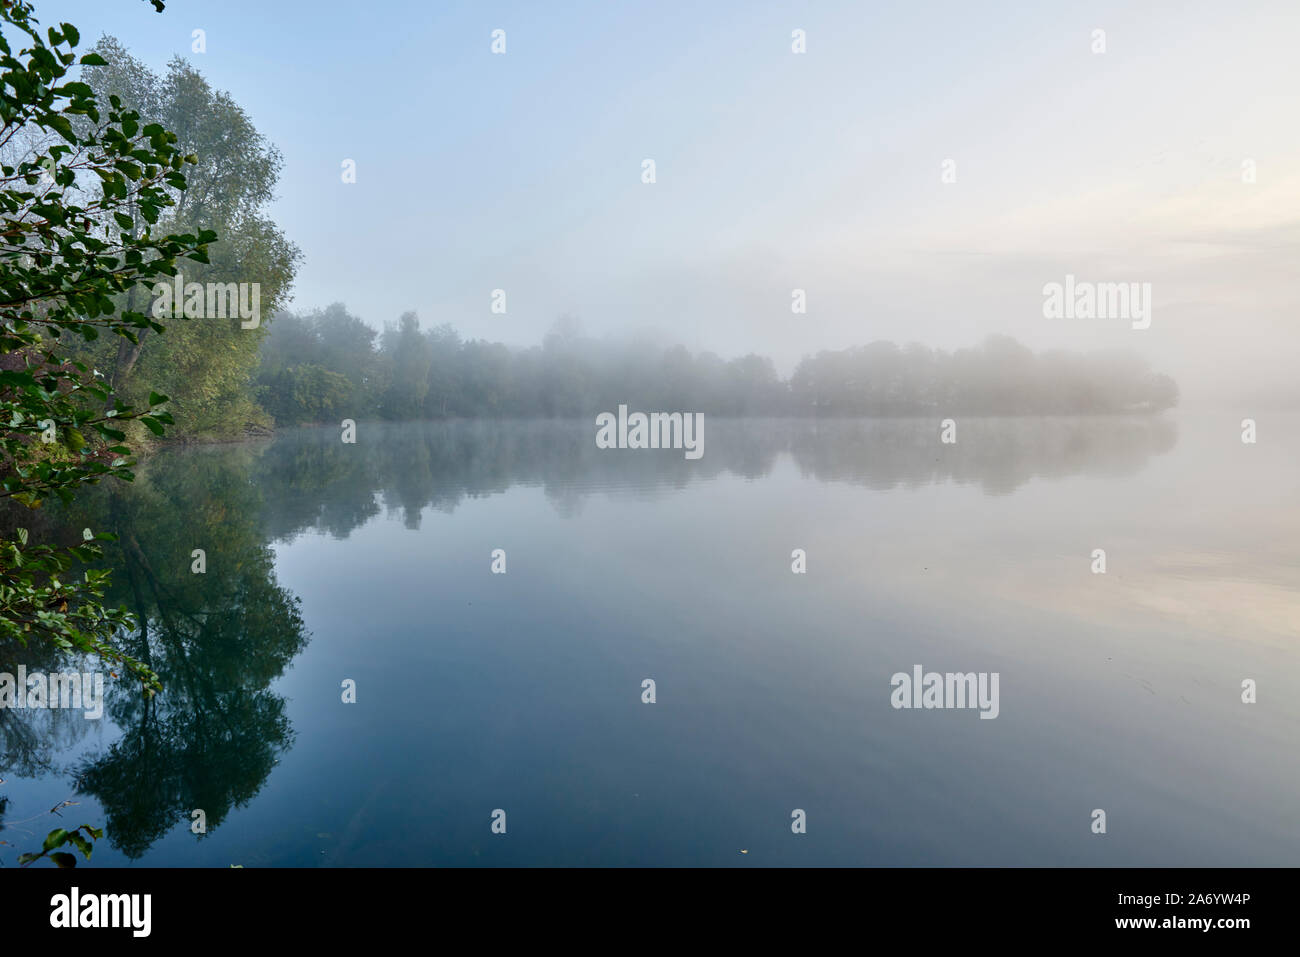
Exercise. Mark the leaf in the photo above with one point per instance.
(81, 844)
(55, 838)
(64, 859)
(61, 125)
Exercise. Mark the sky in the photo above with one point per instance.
(778, 170)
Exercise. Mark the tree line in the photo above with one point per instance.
(328, 364)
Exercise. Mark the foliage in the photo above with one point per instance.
(207, 364)
(77, 230)
(306, 393)
(38, 601)
(292, 385)
(435, 374)
(60, 837)
(998, 377)
(410, 357)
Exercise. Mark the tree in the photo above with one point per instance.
(444, 372)
(318, 365)
(410, 355)
(77, 231)
(206, 364)
(306, 393)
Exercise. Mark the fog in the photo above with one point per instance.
(1166, 159)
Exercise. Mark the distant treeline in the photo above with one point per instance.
(328, 364)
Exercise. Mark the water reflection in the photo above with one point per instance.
(220, 640)
(217, 640)
(314, 481)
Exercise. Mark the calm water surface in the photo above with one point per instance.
(522, 691)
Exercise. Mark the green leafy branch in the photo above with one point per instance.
(60, 837)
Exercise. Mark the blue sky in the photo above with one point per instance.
(776, 170)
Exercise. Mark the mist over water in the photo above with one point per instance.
(523, 691)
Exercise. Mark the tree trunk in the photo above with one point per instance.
(128, 354)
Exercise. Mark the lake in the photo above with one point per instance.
(522, 691)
